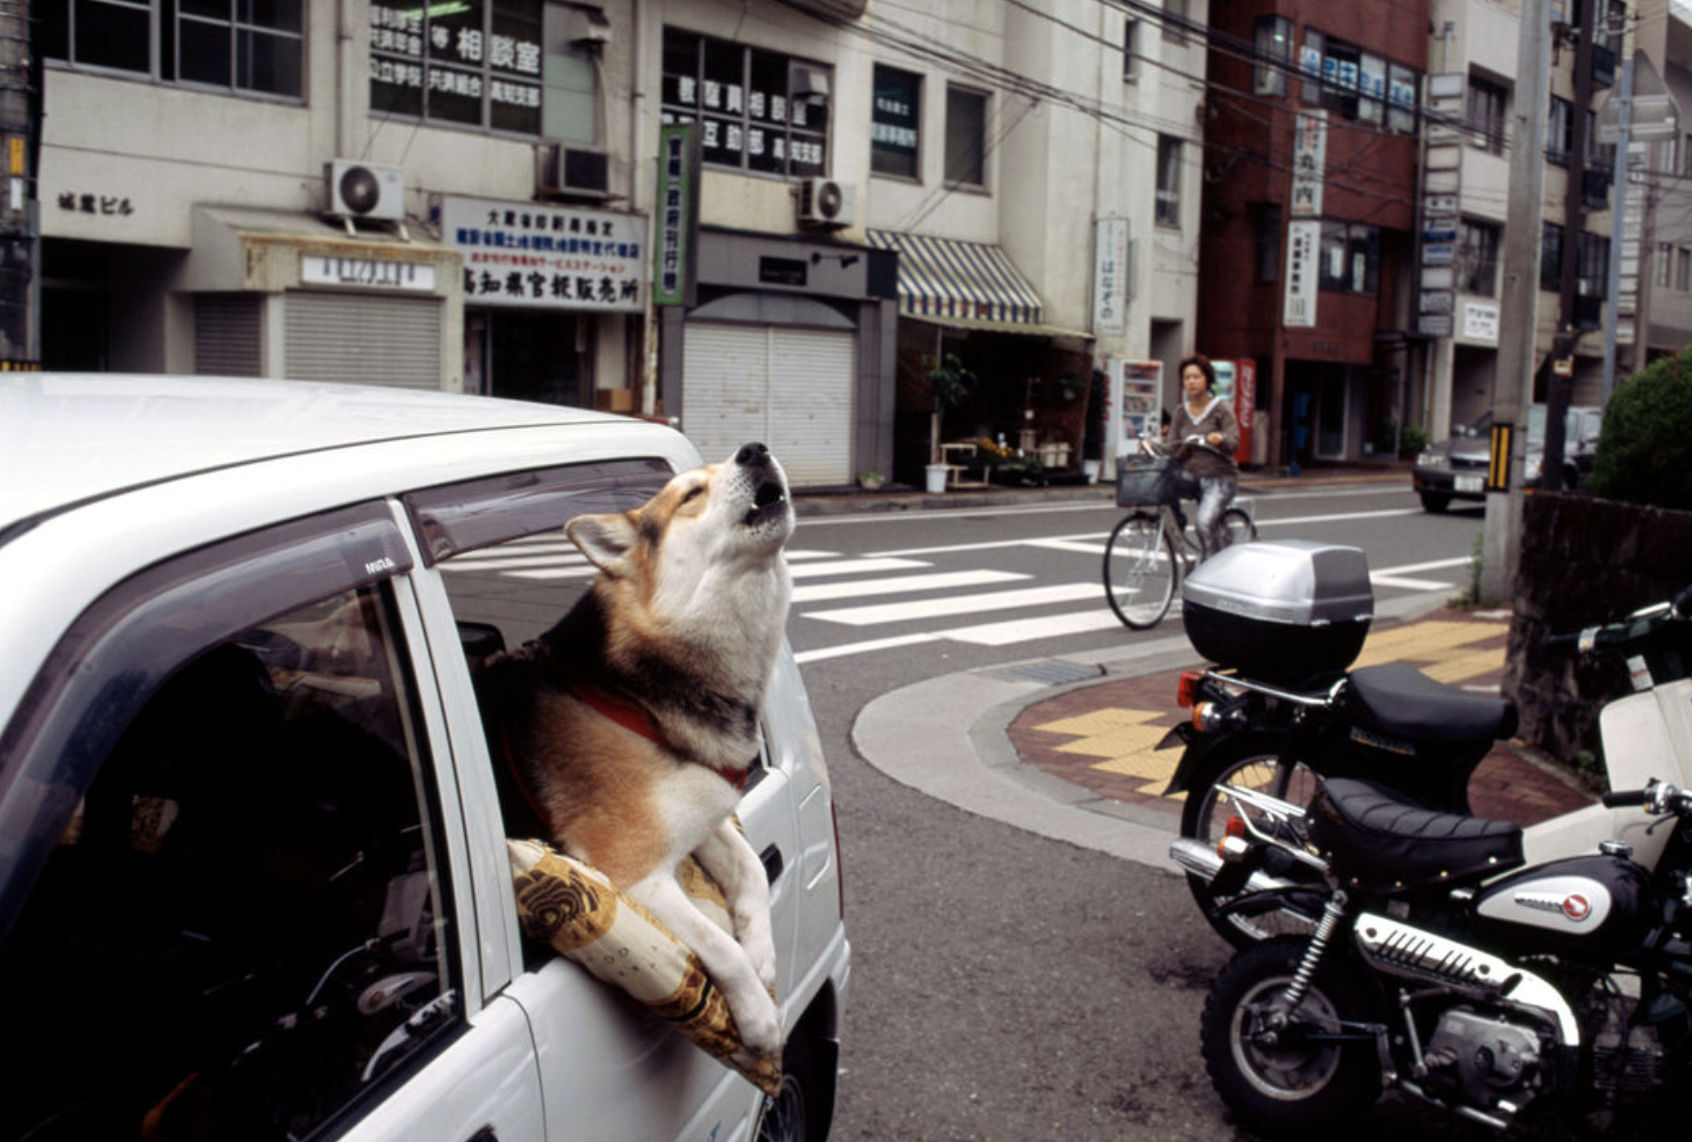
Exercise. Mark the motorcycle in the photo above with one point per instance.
(1443, 963)
(1394, 725)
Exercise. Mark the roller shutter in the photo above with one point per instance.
(790, 388)
(226, 334)
(366, 340)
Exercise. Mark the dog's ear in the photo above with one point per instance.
(605, 539)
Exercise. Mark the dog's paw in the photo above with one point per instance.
(760, 1027)
(763, 963)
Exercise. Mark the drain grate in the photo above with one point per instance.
(1051, 673)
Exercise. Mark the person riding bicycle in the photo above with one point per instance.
(1205, 416)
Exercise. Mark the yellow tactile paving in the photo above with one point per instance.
(1443, 650)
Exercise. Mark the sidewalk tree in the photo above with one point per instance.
(1645, 445)
(951, 382)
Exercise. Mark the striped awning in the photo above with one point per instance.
(966, 284)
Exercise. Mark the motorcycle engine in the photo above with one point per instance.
(1490, 1059)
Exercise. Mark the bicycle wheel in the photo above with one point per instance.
(1139, 570)
(1237, 527)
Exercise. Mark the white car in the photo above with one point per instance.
(253, 877)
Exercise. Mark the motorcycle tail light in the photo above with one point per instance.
(1186, 691)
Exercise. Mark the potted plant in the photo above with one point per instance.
(951, 381)
(871, 481)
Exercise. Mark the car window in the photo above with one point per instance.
(241, 928)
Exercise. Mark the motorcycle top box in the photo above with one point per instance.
(1283, 611)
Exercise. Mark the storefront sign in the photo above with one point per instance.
(677, 224)
(117, 205)
(1310, 157)
(1111, 284)
(368, 273)
(1304, 239)
(538, 256)
(1480, 322)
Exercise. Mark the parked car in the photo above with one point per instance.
(1455, 469)
(253, 873)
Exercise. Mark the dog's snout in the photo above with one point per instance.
(752, 455)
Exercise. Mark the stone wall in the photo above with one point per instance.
(1584, 561)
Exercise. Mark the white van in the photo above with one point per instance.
(253, 877)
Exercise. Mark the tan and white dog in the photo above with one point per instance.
(632, 723)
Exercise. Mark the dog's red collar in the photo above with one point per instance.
(636, 720)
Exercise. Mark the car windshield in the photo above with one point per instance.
(1478, 426)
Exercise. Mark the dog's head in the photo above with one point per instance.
(716, 530)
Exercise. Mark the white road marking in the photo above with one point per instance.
(851, 566)
(846, 649)
(1025, 630)
(961, 604)
(941, 581)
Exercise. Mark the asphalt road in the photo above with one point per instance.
(1008, 986)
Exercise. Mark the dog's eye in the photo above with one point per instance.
(694, 493)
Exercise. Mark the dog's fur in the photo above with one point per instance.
(631, 723)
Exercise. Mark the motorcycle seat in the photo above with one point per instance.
(1377, 842)
(1396, 699)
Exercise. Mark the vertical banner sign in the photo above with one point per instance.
(1110, 277)
(1304, 239)
(676, 221)
(1310, 158)
(1498, 465)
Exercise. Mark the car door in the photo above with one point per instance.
(233, 874)
(504, 573)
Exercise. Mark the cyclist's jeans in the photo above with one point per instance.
(1215, 494)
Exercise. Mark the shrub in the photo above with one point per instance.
(1645, 446)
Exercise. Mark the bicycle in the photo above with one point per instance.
(1149, 551)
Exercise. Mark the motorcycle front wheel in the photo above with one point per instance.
(1281, 1079)
(1254, 762)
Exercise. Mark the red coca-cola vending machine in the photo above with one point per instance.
(1237, 381)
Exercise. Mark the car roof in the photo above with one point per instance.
(70, 438)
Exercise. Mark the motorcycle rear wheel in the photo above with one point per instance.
(1286, 1086)
(1253, 761)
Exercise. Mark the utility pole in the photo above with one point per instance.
(20, 219)
(1557, 384)
(1618, 234)
(1513, 386)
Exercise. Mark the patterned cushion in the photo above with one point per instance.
(573, 908)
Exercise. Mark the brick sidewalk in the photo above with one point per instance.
(1103, 737)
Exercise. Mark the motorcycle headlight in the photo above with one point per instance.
(1433, 460)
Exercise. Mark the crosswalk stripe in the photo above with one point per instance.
(899, 584)
(1025, 630)
(543, 574)
(514, 561)
(961, 604)
(869, 646)
(846, 566)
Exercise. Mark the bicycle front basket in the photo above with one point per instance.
(1145, 480)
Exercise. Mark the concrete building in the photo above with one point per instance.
(475, 197)
(1472, 102)
(1663, 190)
(1311, 176)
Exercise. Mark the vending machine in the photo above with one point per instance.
(1236, 380)
(1135, 406)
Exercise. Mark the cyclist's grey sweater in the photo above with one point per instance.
(1219, 417)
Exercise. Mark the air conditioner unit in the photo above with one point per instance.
(825, 203)
(581, 171)
(366, 190)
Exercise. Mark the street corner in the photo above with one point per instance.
(1104, 736)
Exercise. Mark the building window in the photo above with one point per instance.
(1683, 270)
(570, 75)
(473, 63)
(1310, 65)
(1274, 39)
(1550, 256)
(1559, 131)
(1665, 265)
(1174, 21)
(1350, 258)
(1592, 266)
(1131, 51)
(1402, 85)
(760, 110)
(966, 137)
(1168, 212)
(1372, 87)
(1665, 156)
(1341, 66)
(1685, 156)
(1267, 243)
(1477, 253)
(1484, 113)
(228, 44)
(895, 122)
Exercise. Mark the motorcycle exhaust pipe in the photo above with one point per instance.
(1201, 860)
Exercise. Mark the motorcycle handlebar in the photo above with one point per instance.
(1625, 798)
